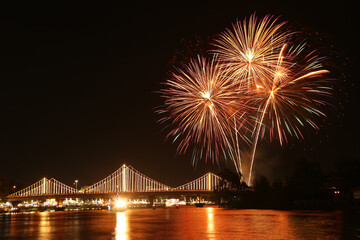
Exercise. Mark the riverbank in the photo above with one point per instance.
(51, 209)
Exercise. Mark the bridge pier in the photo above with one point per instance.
(151, 200)
(59, 202)
(187, 199)
(15, 203)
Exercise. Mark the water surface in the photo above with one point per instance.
(182, 223)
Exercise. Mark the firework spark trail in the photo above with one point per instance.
(258, 128)
(203, 106)
(291, 94)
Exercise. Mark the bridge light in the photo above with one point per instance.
(124, 178)
(76, 183)
(120, 205)
(209, 182)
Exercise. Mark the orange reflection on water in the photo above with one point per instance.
(44, 226)
(259, 224)
(121, 229)
(183, 223)
(210, 223)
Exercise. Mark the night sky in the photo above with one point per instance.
(79, 86)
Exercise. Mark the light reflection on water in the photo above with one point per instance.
(121, 226)
(184, 223)
(44, 228)
(210, 223)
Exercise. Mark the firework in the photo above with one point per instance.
(250, 48)
(205, 109)
(290, 95)
(256, 75)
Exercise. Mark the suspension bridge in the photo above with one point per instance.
(125, 182)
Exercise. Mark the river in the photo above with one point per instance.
(182, 223)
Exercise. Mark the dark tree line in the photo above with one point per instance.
(306, 187)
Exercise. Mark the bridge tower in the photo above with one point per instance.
(124, 178)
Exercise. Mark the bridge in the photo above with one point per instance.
(126, 182)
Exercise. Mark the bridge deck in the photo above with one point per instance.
(151, 194)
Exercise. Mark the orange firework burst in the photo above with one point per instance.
(205, 108)
(250, 48)
(290, 95)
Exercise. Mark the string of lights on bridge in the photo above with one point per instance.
(125, 179)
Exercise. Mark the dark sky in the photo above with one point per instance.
(79, 81)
